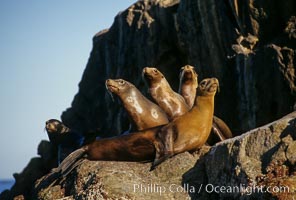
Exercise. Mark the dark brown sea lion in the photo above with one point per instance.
(171, 102)
(187, 88)
(63, 138)
(185, 133)
(137, 146)
(191, 130)
(142, 112)
(55, 130)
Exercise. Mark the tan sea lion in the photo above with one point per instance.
(142, 112)
(191, 130)
(171, 102)
(185, 133)
(187, 88)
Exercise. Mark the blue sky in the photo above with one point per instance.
(44, 48)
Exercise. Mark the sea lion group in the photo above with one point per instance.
(173, 124)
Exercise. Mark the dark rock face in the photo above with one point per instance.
(248, 45)
(262, 158)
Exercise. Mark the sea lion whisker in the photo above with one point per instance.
(110, 93)
(143, 76)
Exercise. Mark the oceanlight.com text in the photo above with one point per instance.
(209, 188)
(248, 190)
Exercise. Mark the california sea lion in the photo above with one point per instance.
(185, 133)
(137, 146)
(142, 112)
(191, 130)
(187, 88)
(188, 84)
(171, 102)
(65, 139)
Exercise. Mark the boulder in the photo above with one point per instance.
(248, 166)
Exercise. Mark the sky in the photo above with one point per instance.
(44, 49)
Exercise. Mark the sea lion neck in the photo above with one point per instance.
(160, 90)
(155, 85)
(132, 101)
(128, 90)
(65, 129)
(202, 101)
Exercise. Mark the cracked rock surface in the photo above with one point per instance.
(261, 157)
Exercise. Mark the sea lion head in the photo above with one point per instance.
(55, 126)
(151, 75)
(208, 87)
(118, 86)
(188, 74)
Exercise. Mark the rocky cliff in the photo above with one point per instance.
(249, 45)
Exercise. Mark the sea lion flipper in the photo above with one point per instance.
(159, 161)
(217, 132)
(67, 164)
(222, 128)
(159, 146)
(165, 145)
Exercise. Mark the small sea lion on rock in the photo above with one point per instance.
(65, 139)
(171, 102)
(187, 88)
(142, 112)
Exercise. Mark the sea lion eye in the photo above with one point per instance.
(155, 70)
(121, 82)
(203, 84)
